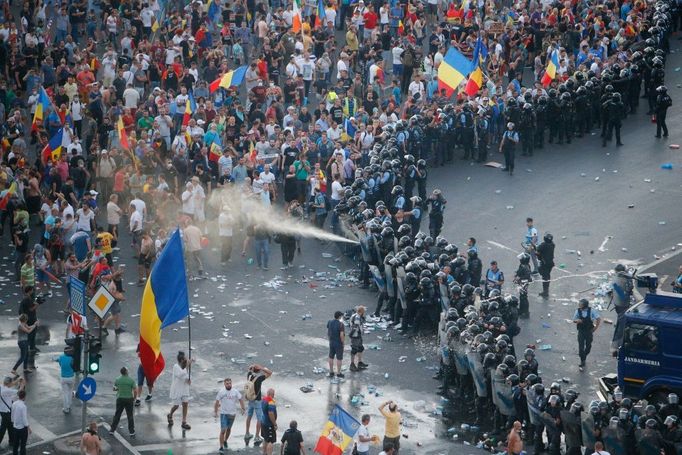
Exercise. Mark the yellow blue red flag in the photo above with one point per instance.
(338, 433)
(164, 302)
(452, 70)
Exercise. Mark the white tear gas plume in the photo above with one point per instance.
(244, 205)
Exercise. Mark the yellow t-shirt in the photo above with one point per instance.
(392, 423)
(105, 239)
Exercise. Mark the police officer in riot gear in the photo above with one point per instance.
(545, 253)
(522, 279)
(615, 113)
(587, 320)
(663, 102)
(465, 124)
(436, 204)
(621, 298)
(527, 125)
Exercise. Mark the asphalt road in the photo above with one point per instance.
(581, 193)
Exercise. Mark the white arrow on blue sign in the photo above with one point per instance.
(86, 389)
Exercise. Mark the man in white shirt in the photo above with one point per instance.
(8, 394)
(225, 163)
(136, 225)
(268, 177)
(599, 449)
(85, 218)
(364, 437)
(226, 401)
(19, 416)
(131, 97)
(188, 200)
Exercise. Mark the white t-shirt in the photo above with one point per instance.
(228, 400)
(131, 97)
(84, 219)
(225, 223)
(136, 221)
(179, 386)
(336, 190)
(188, 202)
(364, 432)
(268, 177)
(8, 396)
(139, 205)
(396, 52)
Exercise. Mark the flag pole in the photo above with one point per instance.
(189, 323)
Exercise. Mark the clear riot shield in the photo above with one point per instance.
(503, 396)
(375, 250)
(390, 287)
(533, 409)
(365, 246)
(444, 296)
(400, 284)
(378, 278)
(572, 430)
(587, 429)
(547, 420)
(477, 373)
(647, 442)
(614, 440)
(461, 360)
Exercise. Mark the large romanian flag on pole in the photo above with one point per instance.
(338, 433)
(297, 19)
(552, 66)
(164, 302)
(475, 81)
(234, 77)
(452, 70)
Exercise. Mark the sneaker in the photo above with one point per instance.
(362, 365)
(258, 440)
(186, 426)
(340, 375)
(247, 438)
(148, 398)
(225, 445)
(221, 451)
(119, 331)
(353, 367)
(330, 375)
(112, 432)
(137, 402)
(132, 435)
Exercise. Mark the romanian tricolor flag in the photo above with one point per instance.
(215, 151)
(190, 108)
(321, 16)
(53, 149)
(550, 71)
(297, 19)
(452, 70)
(8, 194)
(235, 77)
(401, 28)
(122, 135)
(164, 302)
(338, 433)
(211, 10)
(41, 109)
(475, 81)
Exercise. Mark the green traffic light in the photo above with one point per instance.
(94, 367)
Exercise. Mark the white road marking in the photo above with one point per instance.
(660, 260)
(602, 247)
(39, 430)
(504, 247)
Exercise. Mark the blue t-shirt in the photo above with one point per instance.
(65, 366)
(268, 405)
(334, 331)
(80, 245)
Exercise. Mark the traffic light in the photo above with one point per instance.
(77, 354)
(94, 356)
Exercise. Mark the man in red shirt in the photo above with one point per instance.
(371, 20)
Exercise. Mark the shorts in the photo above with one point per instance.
(268, 434)
(255, 405)
(356, 346)
(57, 252)
(142, 378)
(144, 261)
(226, 421)
(179, 400)
(41, 276)
(336, 350)
(395, 441)
(115, 307)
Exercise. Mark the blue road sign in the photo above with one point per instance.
(86, 389)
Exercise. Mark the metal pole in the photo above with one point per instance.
(84, 365)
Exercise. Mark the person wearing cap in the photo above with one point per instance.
(587, 321)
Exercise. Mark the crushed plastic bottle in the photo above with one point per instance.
(306, 316)
(546, 347)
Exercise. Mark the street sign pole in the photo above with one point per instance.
(84, 365)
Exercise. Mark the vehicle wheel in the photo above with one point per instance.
(658, 397)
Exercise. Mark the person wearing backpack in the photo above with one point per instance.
(252, 393)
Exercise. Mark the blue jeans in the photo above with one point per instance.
(23, 355)
(262, 248)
